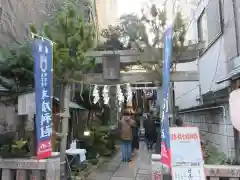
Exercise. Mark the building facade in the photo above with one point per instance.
(107, 13)
(16, 15)
(214, 23)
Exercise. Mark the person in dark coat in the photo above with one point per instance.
(179, 122)
(150, 131)
(135, 141)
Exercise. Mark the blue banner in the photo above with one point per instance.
(165, 144)
(42, 54)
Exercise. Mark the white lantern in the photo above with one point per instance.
(234, 104)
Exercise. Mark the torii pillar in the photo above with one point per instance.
(111, 72)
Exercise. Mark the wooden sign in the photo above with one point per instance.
(186, 162)
(111, 67)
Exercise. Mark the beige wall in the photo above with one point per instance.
(17, 15)
(107, 13)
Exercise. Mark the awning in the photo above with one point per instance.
(72, 104)
(232, 74)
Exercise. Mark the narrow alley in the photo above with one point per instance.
(138, 169)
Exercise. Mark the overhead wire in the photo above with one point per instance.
(188, 26)
(187, 92)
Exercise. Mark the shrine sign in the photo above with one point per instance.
(186, 154)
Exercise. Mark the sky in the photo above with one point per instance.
(130, 6)
(134, 6)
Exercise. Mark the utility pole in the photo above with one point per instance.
(65, 118)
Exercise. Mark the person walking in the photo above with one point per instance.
(150, 131)
(126, 134)
(135, 130)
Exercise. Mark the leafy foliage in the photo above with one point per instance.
(72, 38)
(17, 66)
(113, 36)
(101, 141)
(112, 32)
(12, 148)
(213, 156)
(147, 32)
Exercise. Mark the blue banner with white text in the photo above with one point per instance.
(165, 143)
(42, 54)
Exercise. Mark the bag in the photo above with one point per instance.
(125, 128)
(119, 129)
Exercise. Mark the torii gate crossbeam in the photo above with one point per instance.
(139, 77)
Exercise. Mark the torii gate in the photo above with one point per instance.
(112, 60)
(111, 67)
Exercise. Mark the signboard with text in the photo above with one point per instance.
(186, 154)
(188, 173)
(42, 54)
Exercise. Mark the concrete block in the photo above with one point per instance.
(230, 142)
(231, 153)
(230, 130)
(205, 127)
(214, 128)
(210, 128)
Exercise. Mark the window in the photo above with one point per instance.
(210, 23)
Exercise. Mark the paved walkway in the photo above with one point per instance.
(138, 169)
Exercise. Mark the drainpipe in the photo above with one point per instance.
(214, 107)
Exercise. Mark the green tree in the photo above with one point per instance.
(146, 33)
(113, 39)
(17, 66)
(72, 38)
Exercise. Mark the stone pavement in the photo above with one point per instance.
(138, 169)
